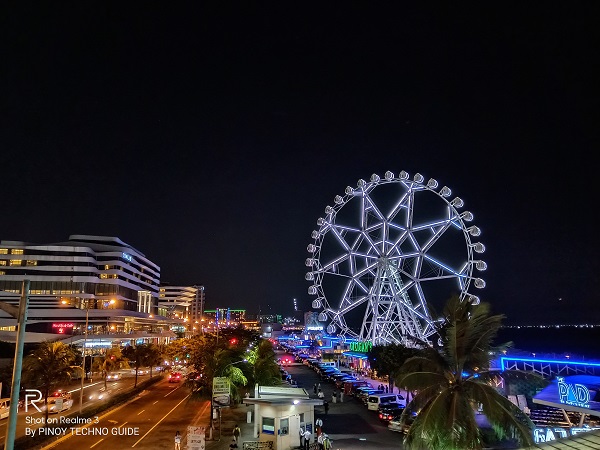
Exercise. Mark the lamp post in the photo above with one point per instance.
(87, 314)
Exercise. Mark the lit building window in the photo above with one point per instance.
(3, 251)
(104, 276)
(31, 262)
(2, 272)
(17, 251)
(2, 262)
(15, 262)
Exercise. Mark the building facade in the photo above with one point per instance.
(224, 317)
(100, 280)
(182, 302)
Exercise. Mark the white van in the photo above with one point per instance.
(4, 407)
(377, 400)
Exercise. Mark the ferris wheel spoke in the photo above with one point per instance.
(441, 265)
(401, 205)
(328, 266)
(372, 207)
(351, 305)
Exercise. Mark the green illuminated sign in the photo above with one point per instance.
(362, 347)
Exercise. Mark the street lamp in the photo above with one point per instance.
(87, 314)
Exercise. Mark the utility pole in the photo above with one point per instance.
(83, 372)
(21, 315)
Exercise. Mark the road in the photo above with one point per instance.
(94, 393)
(147, 422)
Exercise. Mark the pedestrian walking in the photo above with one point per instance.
(307, 435)
(321, 394)
(326, 442)
(301, 432)
(315, 388)
(177, 441)
(320, 441)
(333, 396)
(236, 432)
(341, 396)
(387, 389)
(338, 396)
(319, 427)
(326, 406)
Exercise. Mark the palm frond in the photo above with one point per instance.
(446, 421)
(417, 381)
(507, 419)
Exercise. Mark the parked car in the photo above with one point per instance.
(397, 425)
(390, 412)
(374, 401)
(351, 386)
(363, 394)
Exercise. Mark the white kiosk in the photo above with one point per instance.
(280, 412)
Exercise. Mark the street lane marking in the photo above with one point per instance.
(155, 402)
(172, 391)
(97, 443)
(163, 418)
(123, 424)
(141, 412)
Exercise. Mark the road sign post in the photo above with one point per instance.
(196, 438)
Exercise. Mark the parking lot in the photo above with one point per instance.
(349, 423)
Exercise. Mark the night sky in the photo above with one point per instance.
(212, 139)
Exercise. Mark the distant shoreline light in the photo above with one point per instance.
(566, 325)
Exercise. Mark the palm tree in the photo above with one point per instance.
(452, 381)
(138, 355)
(48, 366)
(107, 363)
(265, 369)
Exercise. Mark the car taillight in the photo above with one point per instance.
(381, 416)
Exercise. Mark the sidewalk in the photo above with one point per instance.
(230, 417)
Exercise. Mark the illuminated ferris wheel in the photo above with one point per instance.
(387, 250)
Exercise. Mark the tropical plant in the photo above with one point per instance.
(386, 360)
(265, 370)
(153, 357)
(48, 366)
(108, 362)
(451, 382)
(139, 355)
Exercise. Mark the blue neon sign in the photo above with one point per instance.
(573, 394)
(127, 257)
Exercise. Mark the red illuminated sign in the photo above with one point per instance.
(61, 327)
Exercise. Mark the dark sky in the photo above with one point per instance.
(212, 139)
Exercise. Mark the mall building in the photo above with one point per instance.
(98, 280)
(185, 303)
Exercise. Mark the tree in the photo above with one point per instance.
(265, 370)
(153, 357)
(387, 360)
(48, 366)
(138, 355)
(451, 382)
(105, 364)
(178, 349)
